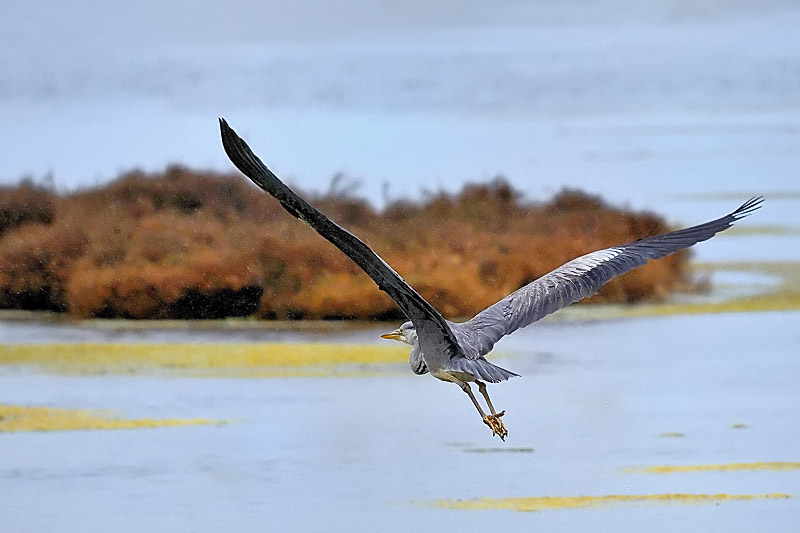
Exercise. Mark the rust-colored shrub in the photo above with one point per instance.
(35, 265)
(187, 244)
(24, 204)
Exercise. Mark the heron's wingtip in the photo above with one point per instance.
(749, 207)
(230, 139)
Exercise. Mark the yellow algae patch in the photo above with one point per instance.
(548, 503)
(760, 229)
(670, 469)
(250, 360)
(25, 418)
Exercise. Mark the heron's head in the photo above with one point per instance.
(406, 333)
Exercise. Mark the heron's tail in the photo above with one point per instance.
(481, 369)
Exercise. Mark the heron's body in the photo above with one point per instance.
(455, 352)
(470, 365)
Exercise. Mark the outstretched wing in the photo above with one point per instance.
(580, 278)
(434, 333)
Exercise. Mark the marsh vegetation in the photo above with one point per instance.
(187, 244)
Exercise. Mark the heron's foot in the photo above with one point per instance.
(496, 425)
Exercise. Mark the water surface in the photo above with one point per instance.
(596, 400)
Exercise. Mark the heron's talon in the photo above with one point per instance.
(496, 425)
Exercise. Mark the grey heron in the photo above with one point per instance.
(455, 352)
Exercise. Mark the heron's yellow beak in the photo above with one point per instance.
(395, 336)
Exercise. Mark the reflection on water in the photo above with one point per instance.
(346, 453)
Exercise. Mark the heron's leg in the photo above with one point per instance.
(465, 387)
(485, 393)
(493, 420)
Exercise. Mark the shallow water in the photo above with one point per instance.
(391, 450)
(631, 102)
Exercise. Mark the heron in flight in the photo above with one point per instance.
(455, 352)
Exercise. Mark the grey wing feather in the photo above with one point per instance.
(578, 279)
(434, 333)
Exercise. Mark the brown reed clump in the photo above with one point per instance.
(24, 204)
(188, 244)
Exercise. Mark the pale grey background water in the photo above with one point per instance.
(634, 101)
